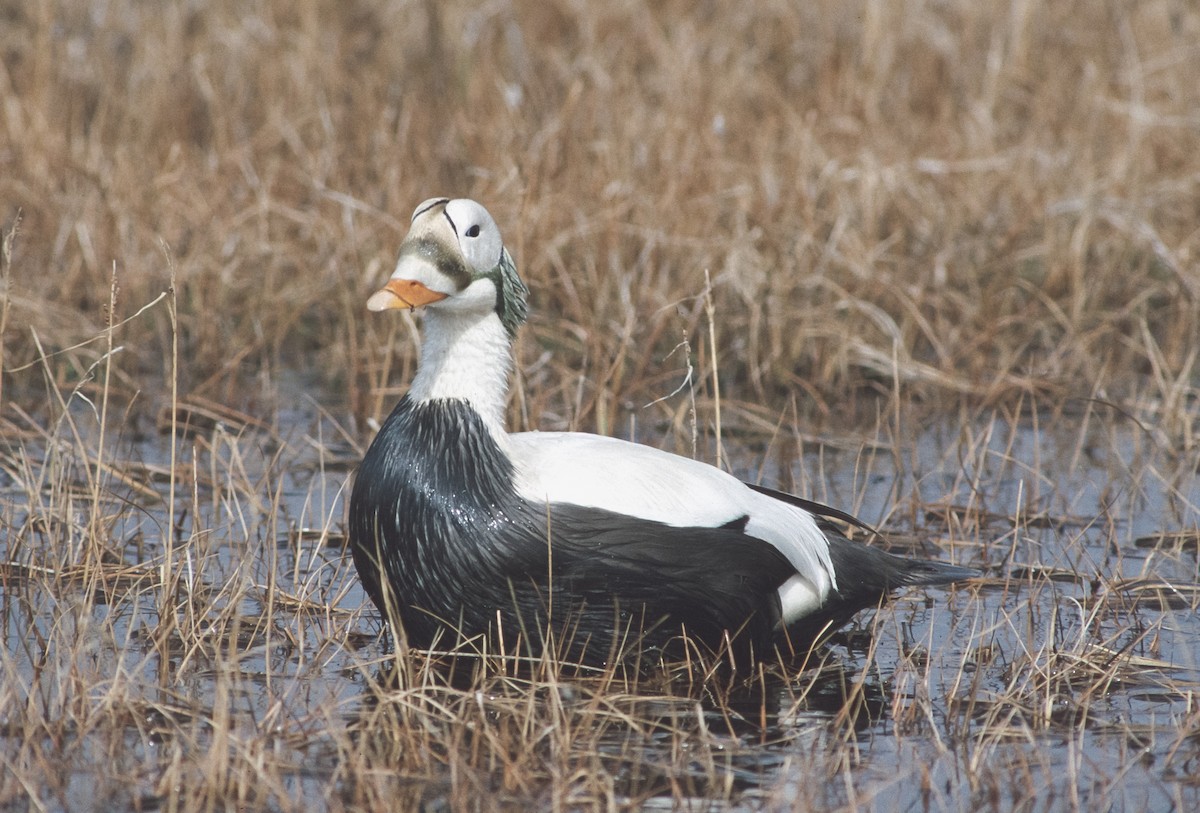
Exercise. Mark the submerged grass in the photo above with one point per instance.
(240, 666)
(943, 256)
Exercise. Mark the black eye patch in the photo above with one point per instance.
(472, 231)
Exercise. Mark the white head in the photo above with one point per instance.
(453, 258)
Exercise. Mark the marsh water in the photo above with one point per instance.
(1066, 676)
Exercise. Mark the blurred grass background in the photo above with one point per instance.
(975, 202)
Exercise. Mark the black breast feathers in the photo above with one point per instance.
(448, 551)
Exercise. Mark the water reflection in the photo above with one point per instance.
(1083, 638)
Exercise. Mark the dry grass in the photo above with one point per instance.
(980, 201)
(238, 670)
(955, 286)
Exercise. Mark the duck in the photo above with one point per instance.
(588, 547)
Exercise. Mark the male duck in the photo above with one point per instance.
(598, 547)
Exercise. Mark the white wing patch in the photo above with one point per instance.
(628, 478)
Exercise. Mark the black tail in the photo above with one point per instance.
(865, 577)
(865, 574)
(862, 569)
(934, 573)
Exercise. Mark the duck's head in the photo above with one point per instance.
(453, 258)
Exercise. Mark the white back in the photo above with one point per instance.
(628, 478)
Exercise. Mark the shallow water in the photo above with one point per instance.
(1066, 676)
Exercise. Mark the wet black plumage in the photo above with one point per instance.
(444, 544)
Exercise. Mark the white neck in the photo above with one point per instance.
(465, 356)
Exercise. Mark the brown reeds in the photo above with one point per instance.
(942, 259)
(971, 201)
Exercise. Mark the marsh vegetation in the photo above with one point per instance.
(932, 263)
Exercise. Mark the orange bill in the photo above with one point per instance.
(402, 293)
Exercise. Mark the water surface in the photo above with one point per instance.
(1066, 677)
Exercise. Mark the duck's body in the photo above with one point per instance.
(600, 547)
